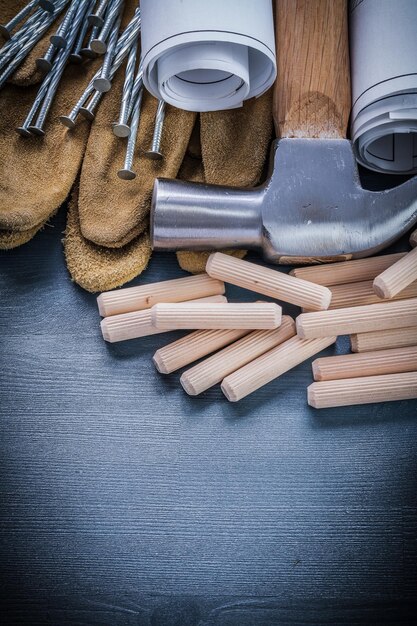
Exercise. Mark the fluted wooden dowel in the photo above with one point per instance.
(397, 277)
(359, 319)
(212, 371)
(384, 339)
(138, 323)
(192, 347)
(361, 294)
(185, 315)
(267, 281)
(342, 366)
(271, 365)
(364, 390)
(347, 271)
(145, 296)
(413, 239)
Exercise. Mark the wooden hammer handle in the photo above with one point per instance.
(312, 91)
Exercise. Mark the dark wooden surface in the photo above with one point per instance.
(124, 501)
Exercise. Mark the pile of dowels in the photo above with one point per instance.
(89, 28)
(250, 344)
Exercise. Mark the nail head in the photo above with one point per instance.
(125, 174)
(121, 130)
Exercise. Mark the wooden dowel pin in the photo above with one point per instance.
(267, 281)
(145, 296)
(138, 323)
(347, 271)
(361, 294)
(183, 315)
(397, 277)
(384, 339)
(212, 371)
(360, 319)
(271, 365)
(364, 390)
(342, 366)
(192, 347)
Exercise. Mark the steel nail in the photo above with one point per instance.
(29, 43)
(121, 127)
(44, 64)
(75, 56)
(6, 29)
(53, 79)
(155, 151)
(96, 18)
(59, 39)
(99, 44)
(103, 82)
(127, 173)
(88, 110)
(87, 50)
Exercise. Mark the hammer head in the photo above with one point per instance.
(312, 205)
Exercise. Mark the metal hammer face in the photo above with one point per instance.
(312, 205)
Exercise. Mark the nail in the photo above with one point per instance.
(53, 79)
(96, 18)
(88, 111)
(121, 128)
(24, 48)
(24, 129)
(59, 39)
(103, 82)
(75, 56)
(155, 153)
(6, 29)
(127, 173)
(99, 44)
(44, 64)
(126, 39)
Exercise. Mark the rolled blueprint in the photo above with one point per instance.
(207, 55)
(383, 47)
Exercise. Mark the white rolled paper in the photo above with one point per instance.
(383, 47)
(207, 55)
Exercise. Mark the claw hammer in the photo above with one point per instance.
(313, 206)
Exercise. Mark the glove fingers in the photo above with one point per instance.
(37, 173)
(12, 239)
(235, 143)
(96, 268)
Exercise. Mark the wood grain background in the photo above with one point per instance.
(124, 501)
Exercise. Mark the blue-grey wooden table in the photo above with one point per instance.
(124, 501)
